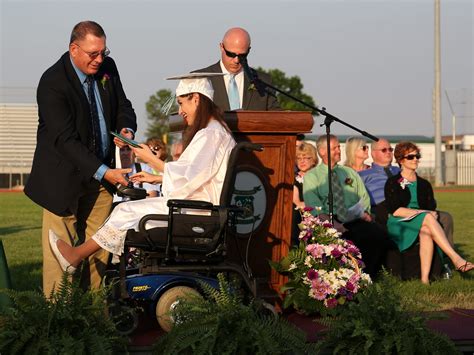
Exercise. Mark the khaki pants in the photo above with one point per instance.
(93, 209)
(446, 221)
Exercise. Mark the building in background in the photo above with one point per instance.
(18, 125)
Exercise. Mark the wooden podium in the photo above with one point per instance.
(264, 186)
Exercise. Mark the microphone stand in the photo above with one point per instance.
(266, 88)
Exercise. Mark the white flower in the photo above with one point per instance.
(403, 183)
(299, 178)
(292, 266)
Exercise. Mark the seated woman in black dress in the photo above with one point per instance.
(411, 204)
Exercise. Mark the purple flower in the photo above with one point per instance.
(336, 253)
(350, 286)
(348, 181)
(312, 274)
(331, 303)
(104, 80)
(308, 209)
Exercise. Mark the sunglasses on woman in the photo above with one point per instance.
(412, 156)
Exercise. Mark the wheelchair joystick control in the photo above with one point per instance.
(130, 191)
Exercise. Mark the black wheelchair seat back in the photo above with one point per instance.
(195, 235)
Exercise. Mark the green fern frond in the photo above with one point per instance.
(69, 321)
(222, 324)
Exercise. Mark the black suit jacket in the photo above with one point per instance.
(251, 98)
(63, 164)
(396, 197)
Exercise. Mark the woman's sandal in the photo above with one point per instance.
(467, 266)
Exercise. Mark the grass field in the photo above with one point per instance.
(20, 231)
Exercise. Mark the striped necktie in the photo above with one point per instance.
(338, 198)
(94, 138)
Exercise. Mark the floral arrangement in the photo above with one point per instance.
(324, 271)
(403, 182)
(104, 80)
(252, 87)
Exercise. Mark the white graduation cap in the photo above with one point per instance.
(188, 83)
(195, 82)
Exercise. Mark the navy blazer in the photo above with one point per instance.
(63, 164)
(251, 98)
(396, 197)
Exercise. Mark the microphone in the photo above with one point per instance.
(252, 75)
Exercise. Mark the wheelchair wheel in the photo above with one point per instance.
(168, 301)
(125, 318)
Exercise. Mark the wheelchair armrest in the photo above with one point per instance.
(190, 204)
(151, 217)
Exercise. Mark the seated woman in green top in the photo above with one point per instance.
(413, 217)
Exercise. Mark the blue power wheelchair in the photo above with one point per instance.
(177, 258)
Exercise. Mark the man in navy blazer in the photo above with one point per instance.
(71, 177)
(235, 45)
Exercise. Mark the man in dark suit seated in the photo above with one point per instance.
(234, 90)
(374, 180)
(80, 99)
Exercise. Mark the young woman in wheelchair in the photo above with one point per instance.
(197, 175)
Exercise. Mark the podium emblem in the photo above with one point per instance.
(249, 193)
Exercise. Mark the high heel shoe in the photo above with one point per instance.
(467, 266)
(65, 265)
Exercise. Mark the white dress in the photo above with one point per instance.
(197, 175)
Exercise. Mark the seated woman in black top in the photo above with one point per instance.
(306, 159)
(411, 204)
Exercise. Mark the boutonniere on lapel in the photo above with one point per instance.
(348, 181)
(252, 87)
(299, 178)
(403, 182)
(104, 80)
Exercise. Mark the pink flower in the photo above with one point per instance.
(331, 303)
(319, 290)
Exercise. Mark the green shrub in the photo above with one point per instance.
(221, 323)
(70, 321)
(380, 324)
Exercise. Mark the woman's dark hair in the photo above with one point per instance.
(402, 149)
(206, 110)
(82, 29)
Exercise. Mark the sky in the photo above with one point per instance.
(370, 63)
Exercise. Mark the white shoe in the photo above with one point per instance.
(53, 242)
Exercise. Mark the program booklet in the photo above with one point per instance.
(409, 218)
(128, 141)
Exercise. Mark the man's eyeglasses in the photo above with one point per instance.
(412, 156)
(92, 55)
(385, 150)
(233, 55)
